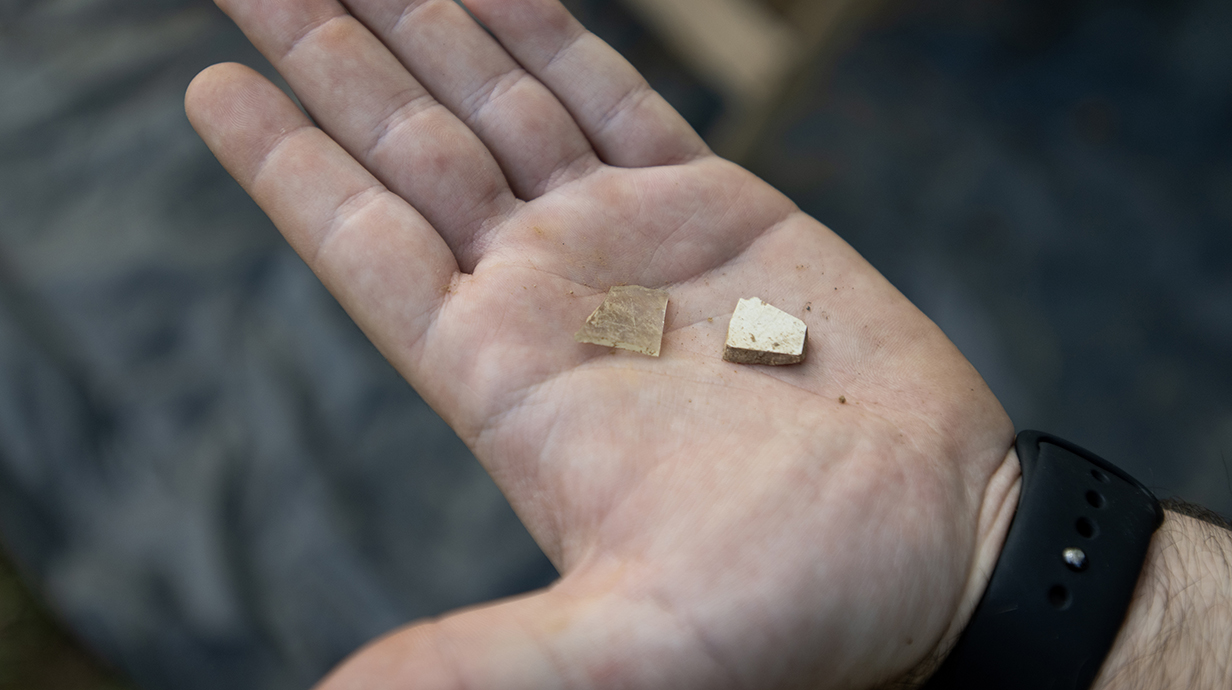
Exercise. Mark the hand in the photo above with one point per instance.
(469, 200)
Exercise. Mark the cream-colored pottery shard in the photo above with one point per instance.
(762, 334)
(631, 318)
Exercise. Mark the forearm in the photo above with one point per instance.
(1178, 630)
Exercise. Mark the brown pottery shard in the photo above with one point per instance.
(631, 318)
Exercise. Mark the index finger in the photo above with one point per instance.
(383, 261)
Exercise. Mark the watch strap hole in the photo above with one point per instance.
(1059, 597)
(1086, 528)
(1096, 499)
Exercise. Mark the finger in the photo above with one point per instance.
(627, 122)
(360, 94)
(379, 258)
(546, 640)
(528, 131)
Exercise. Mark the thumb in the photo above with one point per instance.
(553, 638)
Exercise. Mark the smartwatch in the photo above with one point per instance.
(1065, 577)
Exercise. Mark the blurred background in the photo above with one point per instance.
(208, 478)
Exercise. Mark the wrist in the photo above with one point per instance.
(997, 507)
(1178, 629)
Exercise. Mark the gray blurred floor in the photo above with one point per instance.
(209, 469)
(221, 484)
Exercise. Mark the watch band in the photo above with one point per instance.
(1065, 577)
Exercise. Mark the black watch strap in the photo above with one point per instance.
(1065, 576)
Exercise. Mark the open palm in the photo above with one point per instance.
(469, 198)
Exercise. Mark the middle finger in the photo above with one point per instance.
(530, 133)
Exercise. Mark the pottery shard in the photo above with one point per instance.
(631, 318)
(762, 334)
